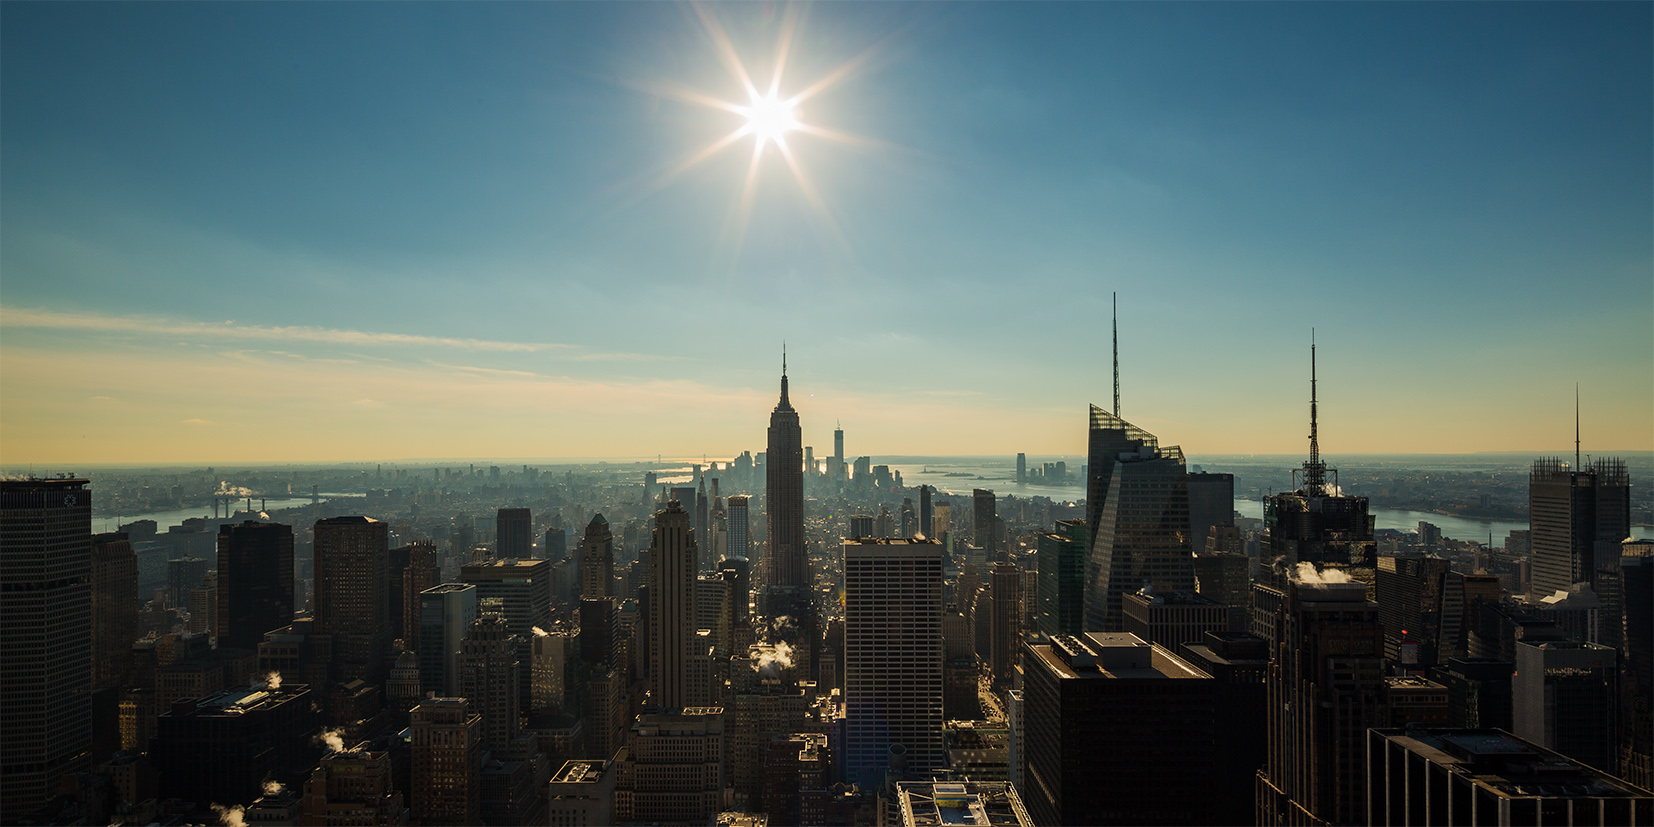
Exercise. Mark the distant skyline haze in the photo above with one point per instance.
(300, 232)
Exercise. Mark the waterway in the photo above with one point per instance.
(167, 519)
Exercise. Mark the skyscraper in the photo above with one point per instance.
(514, 533)
(597, 560)
(255, 582)
(488, 672)
(1565, 696)
(702, 512)
(1325, 689)
(739, 527)
(1211, 503)
(1316, 523)
(672, 556)
(983, 520)
(892, 655)
(838, 452)
(1062, 579)
(1005, 635)
(1578, 519)
(1142, 535)
(46, 648)
(784, 495)
(1108, 438)
(1022, 468)
(352, 600)
(446, 762)
(445, 615)
(524, 590)
(925, 517)
(114, 609)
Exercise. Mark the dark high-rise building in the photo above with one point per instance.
(1486, 776)
(183, 574)
(1211, 503)
(445, 615)
(1119, 731)
(255, 582)
(1409, 593)
(1172, 619)
(225, 746)
(524, 590)
(1022, 468)
(736, 573)
(1637, 663)
(352, 594)
(1005, 634)
(488, 677)
(597, 560)
(420, 573)
(740, 528)
(784, 495)
(1062, 579)
(46, 647)
(1326, 689)
(984, 520)
(1578, 519)
(892, 655)
(114, 609)
(672, 559)
(446, 740)
(514, 533)
(1239, 662)
(1478, 692)
(1142, 538)
(925, 519)
(1316, 523)
(1565, 697)
(703, 505)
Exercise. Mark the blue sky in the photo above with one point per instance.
(370, 231)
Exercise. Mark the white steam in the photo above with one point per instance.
(333, 739)
(1307, 573)
(775, 658)
(539, 632)
(271, 681)
(273, 787)
(230, 816)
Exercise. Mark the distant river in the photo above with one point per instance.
(167, 519)
(1458, 528)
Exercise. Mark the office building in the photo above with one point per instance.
(702, 514)
(1478, 692)
(1119, 731)
(46, 649)
(1637, 663)
(597, 560)
(445, 616)
(1409, 593)
(1005, 634)
(939, 803)
(488, 670)
(739, 527)
(1577, 518)
(1486, 776)
(1239, 663)
(1565, 697)
(1316, 522)
(984, 520)
(514, 533)
(255, 581)
(1022, 468)
(183, 574)
(582, 794)
(354, 787)
(1062, 553)
(1226, 579)
(1172, 619)
(446, 762)
(524, 590)
(672, 580)
(422, 572)
(1211, 503)
(926, 521)
(784, 496)
(893, 655)
(352, 601)
(672, 768)
(1142, 535)
(1325, 689)
(861, 525)
(114, 609)
(1107, 439)
(224, 746)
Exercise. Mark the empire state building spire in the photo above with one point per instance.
(784, 404)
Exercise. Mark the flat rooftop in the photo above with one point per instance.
(1509, 766)
(979, 803)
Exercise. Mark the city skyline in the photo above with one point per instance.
(263, 233)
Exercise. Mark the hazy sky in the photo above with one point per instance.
(368, 231)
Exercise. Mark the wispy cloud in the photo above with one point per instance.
(21, 317)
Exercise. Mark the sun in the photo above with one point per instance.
(769, 118)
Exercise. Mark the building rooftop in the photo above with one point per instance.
(579, 772)
(979, 803)
(1114, 655)
(1509, 766)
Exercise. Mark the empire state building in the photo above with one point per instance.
(784, 494)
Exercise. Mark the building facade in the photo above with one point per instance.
(893, 654)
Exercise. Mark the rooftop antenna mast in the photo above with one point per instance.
(1315, 478)
(1116, 296)
(1577, 466)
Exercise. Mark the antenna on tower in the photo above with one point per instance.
(1315, 478)
(1116, 296)
(783, 357)
(1577, 466)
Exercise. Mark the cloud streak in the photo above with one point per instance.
(40, 319)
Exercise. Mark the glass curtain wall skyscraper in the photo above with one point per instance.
(1142, 538)
(784, 495)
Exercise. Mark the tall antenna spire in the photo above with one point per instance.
(1116, 354)
(783, 357)
(784, 401)
(1315, 474)
(1577, 466)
